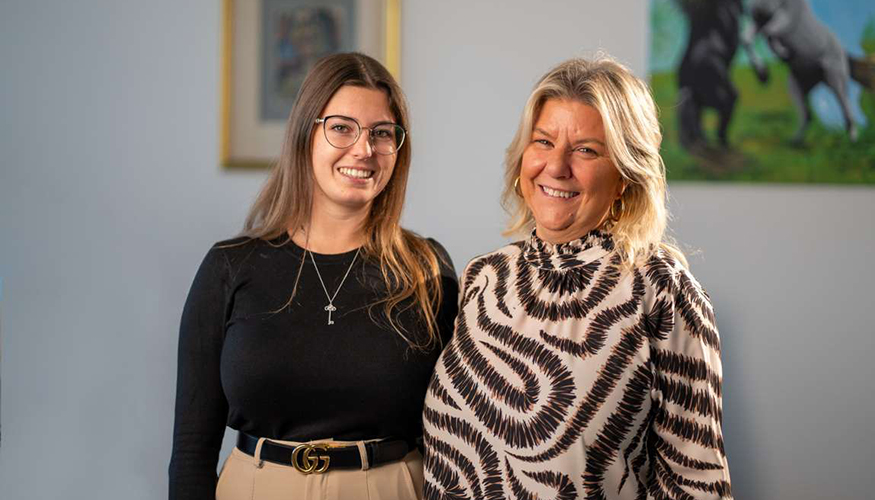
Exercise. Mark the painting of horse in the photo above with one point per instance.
(766, 90)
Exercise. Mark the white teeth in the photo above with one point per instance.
(356, 172)
(559, 194)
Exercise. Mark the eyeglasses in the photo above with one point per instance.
(342, 132)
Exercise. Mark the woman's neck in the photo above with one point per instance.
(332, 231)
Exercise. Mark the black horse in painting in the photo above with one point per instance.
(703, 76)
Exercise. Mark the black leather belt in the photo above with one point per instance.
(316, 458)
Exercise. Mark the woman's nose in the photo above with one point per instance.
(363, 147)
(558, 165)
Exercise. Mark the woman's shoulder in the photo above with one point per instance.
(445, 262)
(510, 250)
(438, 248)
(667, 273)
(505, 253)
(443, 256)
(235, 251)
(235, 242)
(234, 247)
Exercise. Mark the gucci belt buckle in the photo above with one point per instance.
(305, 462)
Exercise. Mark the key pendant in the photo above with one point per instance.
(330, 308)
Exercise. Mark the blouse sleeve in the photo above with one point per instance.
(688, 460)
(201, 407)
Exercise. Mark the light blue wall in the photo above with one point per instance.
(110, 194)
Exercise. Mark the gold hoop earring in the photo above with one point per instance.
(516, 187)
(616, 214)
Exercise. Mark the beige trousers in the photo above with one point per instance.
(245, 477)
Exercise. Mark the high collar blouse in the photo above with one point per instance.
(572, 376)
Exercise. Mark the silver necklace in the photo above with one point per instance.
(330, 307)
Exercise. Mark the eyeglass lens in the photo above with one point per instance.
(342, 132)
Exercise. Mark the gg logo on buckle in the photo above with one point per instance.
(308, 464)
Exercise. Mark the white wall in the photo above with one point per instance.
(110, 194)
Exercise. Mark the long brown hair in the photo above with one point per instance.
(409, 265)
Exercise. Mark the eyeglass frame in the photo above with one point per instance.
(324, 120)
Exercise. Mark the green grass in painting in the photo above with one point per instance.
(762, 126)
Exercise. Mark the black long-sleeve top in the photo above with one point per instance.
(251, 360)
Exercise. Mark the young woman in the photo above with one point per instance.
(315, 333)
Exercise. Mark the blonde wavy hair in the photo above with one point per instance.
(409, 265)
(633, 139)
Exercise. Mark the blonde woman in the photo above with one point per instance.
(586, 361)
(314, 335)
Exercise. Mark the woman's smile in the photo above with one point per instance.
(558, 193)
(357, 174)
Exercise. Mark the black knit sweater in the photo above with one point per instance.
(251, 361)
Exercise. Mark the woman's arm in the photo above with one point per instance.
(201, 407)
(686, 434)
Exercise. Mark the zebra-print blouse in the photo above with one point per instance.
(570, 376)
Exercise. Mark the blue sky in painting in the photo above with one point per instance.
(846, 18)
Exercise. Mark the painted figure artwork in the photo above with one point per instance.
(295, 34)
(766, 90)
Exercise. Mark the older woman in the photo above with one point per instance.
(585, 361)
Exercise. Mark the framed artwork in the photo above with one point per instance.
(765, 90)
(268, 48)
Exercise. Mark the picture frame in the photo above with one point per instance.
(268, 46)
(765, 93)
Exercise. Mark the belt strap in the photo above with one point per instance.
(316, 458)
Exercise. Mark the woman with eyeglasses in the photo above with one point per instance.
(314, 334)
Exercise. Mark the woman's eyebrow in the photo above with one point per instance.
(576, 143)
(543, 132)
(384, 122)
(361, 122)
(589, 139)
